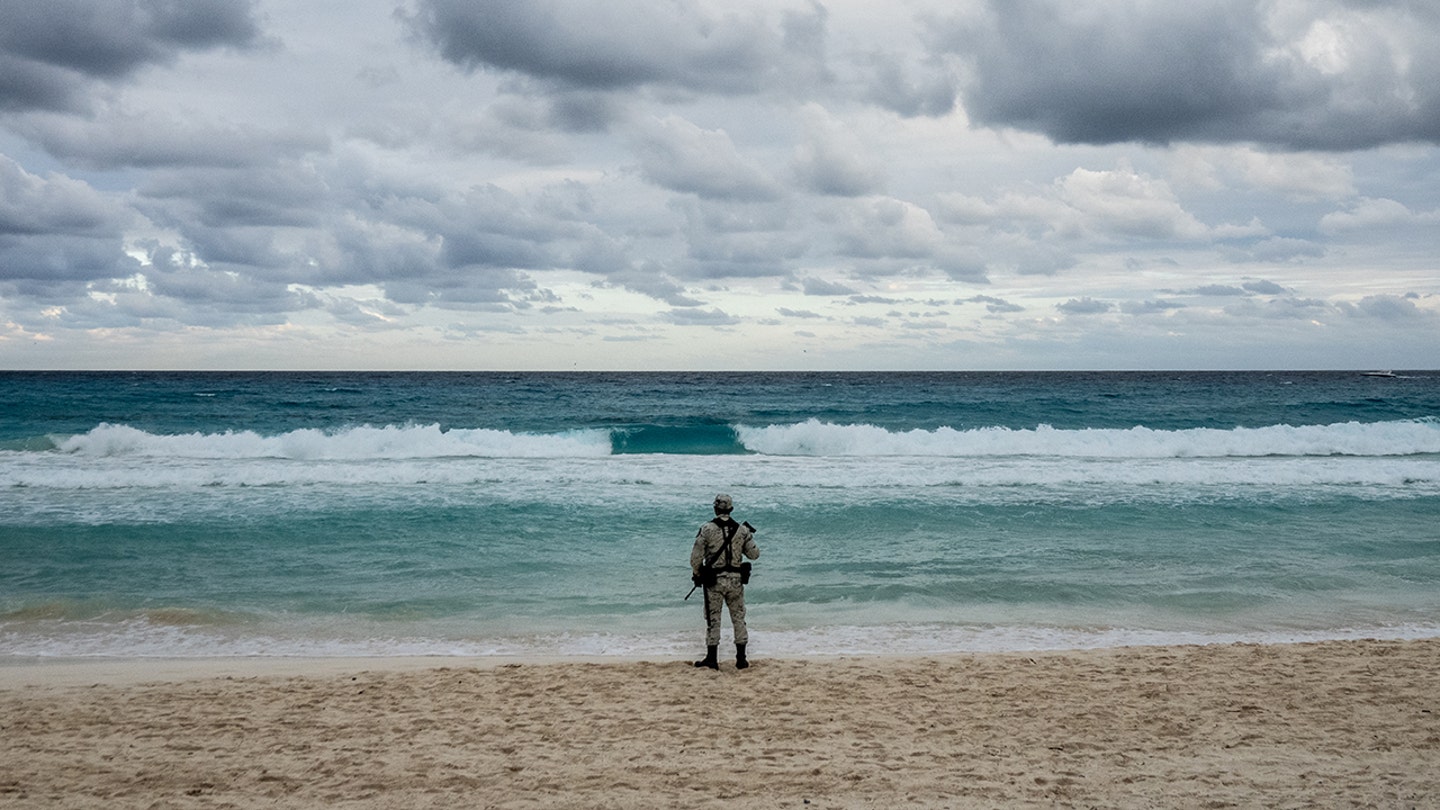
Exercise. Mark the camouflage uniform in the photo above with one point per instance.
(727, 590)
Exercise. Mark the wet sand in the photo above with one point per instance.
(1335, 724)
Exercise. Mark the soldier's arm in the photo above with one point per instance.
(749, 548)
(697, 551)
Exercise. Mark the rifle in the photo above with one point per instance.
(710, 560)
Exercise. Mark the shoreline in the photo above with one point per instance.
(120, 670)
(104, 667)
(1309, 724)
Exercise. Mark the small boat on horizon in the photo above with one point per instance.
(1377, 374)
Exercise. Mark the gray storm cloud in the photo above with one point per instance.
(51, 52)
(626, 171)
(627, 43)
(1323, 75)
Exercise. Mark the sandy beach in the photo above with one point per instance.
(1336, 724)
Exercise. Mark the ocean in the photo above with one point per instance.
(551, 514)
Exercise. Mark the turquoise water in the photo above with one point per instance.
(204, 514)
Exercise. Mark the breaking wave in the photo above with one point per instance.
(812, 438)
(815, 438)
(356, 443)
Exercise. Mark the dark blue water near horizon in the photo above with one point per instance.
(66, 402)
(356, 513)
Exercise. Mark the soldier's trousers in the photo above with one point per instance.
(727, 592)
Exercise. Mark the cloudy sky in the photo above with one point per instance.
(748, 184)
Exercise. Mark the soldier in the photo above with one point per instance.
(719, 546)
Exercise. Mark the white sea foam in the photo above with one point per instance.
(792, 464)
(356, 443)
(816, 438)
(809, 438)
(790, 479)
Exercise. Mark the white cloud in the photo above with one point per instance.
(681, 156)
(56, 204)
(1295, 175)
(1371, 213)
(1084, 306)
(1126, 203)
(832, 160)
(887, 228)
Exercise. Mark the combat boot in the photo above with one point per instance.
(711, 657)
(740, 662)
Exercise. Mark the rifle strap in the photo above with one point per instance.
(728, 528)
